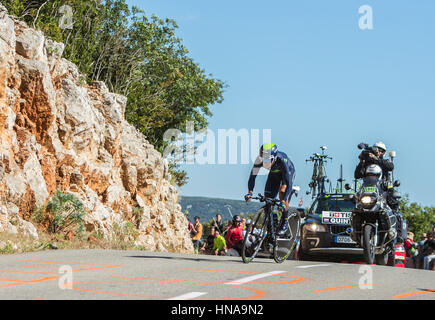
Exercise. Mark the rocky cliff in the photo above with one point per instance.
(58, 133)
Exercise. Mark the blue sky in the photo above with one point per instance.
(305, 70)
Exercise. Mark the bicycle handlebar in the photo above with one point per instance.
(262, 198)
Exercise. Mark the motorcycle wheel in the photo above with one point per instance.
(368, 245)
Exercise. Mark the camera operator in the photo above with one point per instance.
(375, 155)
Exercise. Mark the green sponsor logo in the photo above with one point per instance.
(370, 189)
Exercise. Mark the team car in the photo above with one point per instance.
(326, 229)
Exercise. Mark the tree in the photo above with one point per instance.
(419, 220)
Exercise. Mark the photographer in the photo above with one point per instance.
(373, 155)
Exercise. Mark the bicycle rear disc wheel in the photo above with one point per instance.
(254, 236)
(284, 247)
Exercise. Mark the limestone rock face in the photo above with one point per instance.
(58, 133)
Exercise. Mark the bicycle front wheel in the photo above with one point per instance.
(254, 236)
(285, 246)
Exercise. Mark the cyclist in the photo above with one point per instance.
(280, 179)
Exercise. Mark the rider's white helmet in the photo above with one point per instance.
(374, 170)
(381, 145)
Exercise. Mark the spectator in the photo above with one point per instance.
(420, 257)
(218, 223)
(219, 245)
(243, 223)
(189, 225)
(429, 252)
(229, 222)
(197, 234)
(411, 250)
(424, 250)
(208, 245)
(422, 240)
(234, 236)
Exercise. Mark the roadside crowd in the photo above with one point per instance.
(224, 238)
(421, 254)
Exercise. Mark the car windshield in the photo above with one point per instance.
(333, 204)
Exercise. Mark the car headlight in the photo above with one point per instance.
(314, 227)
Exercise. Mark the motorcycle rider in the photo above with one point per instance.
(280, 179)
(377, 157)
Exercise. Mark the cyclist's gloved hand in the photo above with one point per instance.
(282, 207)
(248, 197)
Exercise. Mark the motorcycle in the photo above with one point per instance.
(373, 222)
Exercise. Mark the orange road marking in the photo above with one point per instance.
(16, 282)
(39, 280)
(13, 282)
(342, 287)
(405, 295)
(99, 268)
(9, 280)
(27, 281)
(55, 272)
(58, 262)
(71, 286)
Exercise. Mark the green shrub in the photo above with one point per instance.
(66, 213)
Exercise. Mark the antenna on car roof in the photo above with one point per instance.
(341, 179)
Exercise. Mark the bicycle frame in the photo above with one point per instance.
(268, 219)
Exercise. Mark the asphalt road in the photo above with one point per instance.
(108, 274)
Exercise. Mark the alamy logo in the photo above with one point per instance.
(66, 280)
(366, 280)
(227, 146)
(366, 19)
(66, 20)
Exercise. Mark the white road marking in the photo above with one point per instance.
(251, 278)
(193, 295)
(190, 295)
(313, 266)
